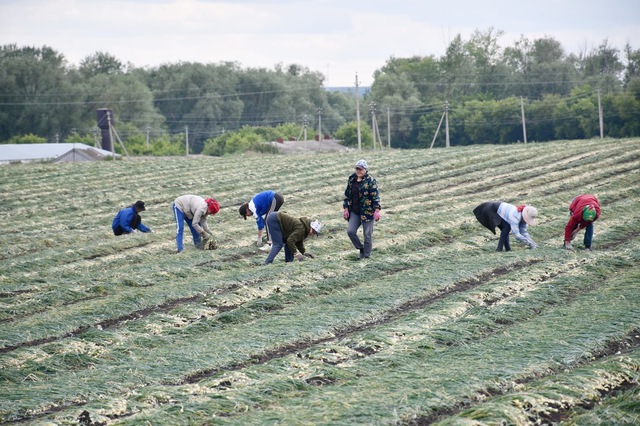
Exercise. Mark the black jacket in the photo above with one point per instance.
(487, 215)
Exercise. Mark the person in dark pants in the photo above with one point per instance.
(290, 232)
(128, 220)
(583, 211)
(260, 206)
(509, 219)
(361, 207)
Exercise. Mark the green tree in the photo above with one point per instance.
(202, 97)
(35, 94)
(248, 138)
(100, 63)
(602, 68)
(540, 118)
(25, 139)
(632, 68)
(348, 134)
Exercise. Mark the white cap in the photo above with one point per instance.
(362, 164)
(316, 226)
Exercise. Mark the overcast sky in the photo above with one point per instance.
(335, 37)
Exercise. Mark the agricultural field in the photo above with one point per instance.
(435, 328)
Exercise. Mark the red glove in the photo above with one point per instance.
(376, 215)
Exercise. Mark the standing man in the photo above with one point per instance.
(583, 211)
(290, 232)
(193, 210)
(361, 207)
(260, 206)
(128, 220)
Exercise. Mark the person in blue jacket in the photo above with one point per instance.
(260, 206)
(128, 219)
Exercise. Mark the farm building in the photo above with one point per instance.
(63, 152)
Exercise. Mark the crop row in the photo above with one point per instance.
(124, 328)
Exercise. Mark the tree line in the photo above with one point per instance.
(223, 107)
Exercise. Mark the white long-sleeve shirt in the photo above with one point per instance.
(510, 213)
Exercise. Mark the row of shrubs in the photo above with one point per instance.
(248, 138)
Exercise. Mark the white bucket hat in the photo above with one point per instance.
(529, 214)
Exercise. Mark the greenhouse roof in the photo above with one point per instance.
(43, 151)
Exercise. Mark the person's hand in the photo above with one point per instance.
(300, 257)
(574, 233)
(345, 214)
(567, 245)
(376, 215)
(309, 255)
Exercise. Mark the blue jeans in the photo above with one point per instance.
(180, 220)
(277, 240)
(367, 230)
(588, 235)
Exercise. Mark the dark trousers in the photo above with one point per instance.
(276, 203)
(277, 240)
(505, 230)
(355, 221)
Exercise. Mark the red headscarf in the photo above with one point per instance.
(213, 205)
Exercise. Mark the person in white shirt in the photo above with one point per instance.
(510, 219)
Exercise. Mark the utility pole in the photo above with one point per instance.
(306, 123)
(372, 109)
(600, 116)
(388, 128)
(112, 131)
(186, 138)
(113, 153)
(148, 129)
(446, 121)
(435, 135)
(358, 115)
(524, 125)
(95, 132)
(319, 124)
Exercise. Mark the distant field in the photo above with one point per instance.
(435, 328)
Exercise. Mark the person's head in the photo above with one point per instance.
(139, 206)
(316, 227)
(361, 167)
(529, 214)
(244, 211)
(589, 213)
(212, 206)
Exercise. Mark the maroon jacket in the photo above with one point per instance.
(575, 209)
